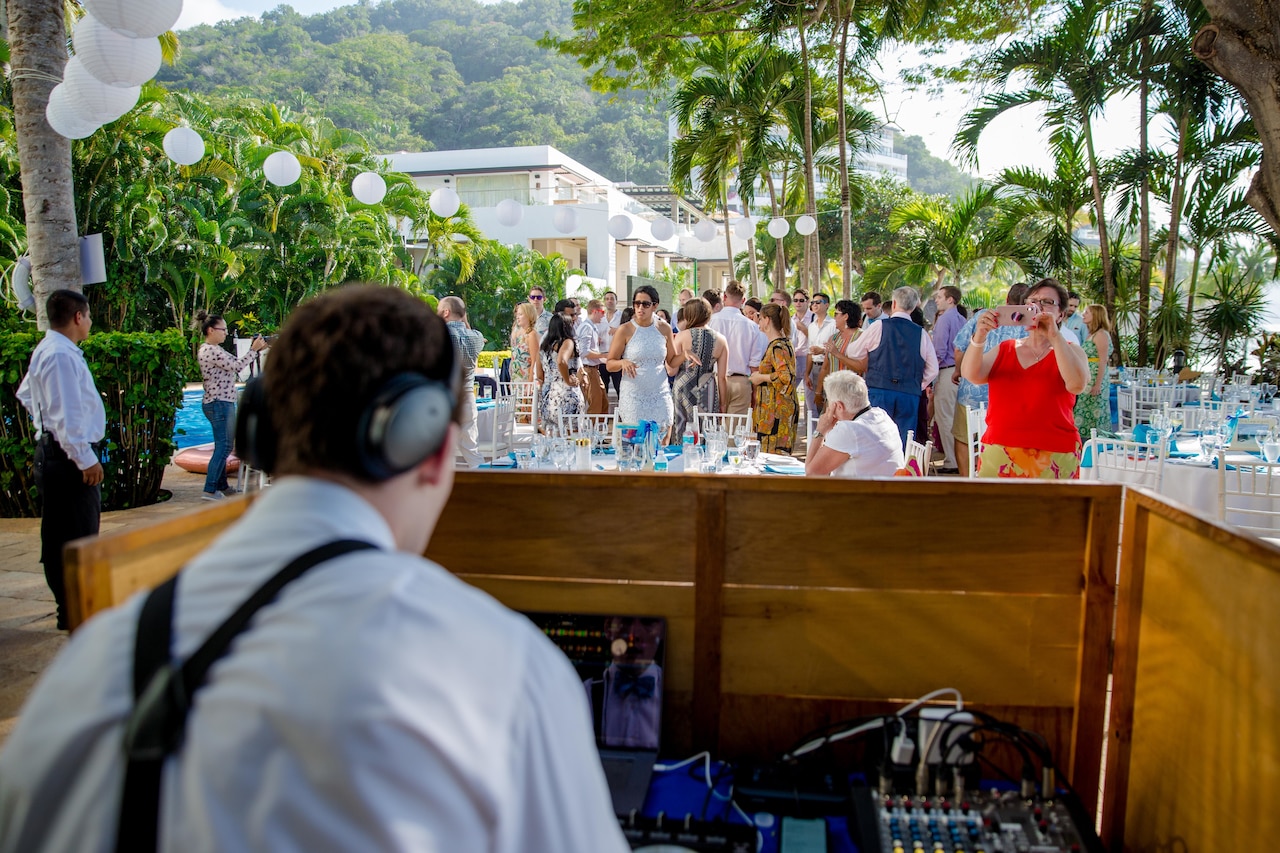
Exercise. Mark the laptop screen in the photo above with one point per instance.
(620, 661)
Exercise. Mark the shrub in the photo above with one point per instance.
(490, 360)
(140, 377)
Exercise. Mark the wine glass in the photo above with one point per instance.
(740, 434)
(1270, 445)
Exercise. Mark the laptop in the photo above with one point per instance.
(620, 659)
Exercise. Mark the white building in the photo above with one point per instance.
(882, 159)
(565, 207)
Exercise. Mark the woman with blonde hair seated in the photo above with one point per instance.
(852, 438)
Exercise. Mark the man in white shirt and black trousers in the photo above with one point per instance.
(70, 423)
(376, 702)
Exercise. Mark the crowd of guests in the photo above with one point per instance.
(864, 366)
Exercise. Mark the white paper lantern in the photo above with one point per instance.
(565, 219)
(778, 228)
(93, 99)
(22, 284)
(112, 58)
(806, 225)
(620, 226)
(444, 202)
(510, 212)
(663, 229)
(137, 19)
(705, 230)
(282, 168)
(64, 118)
(184, 146)
(745, 228)
(369, 188)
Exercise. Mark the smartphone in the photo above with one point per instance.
(803, 836)
(1016, 315)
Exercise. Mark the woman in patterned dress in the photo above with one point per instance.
(219, 370)
(700, 352)
(558, 373)
(642, 348)
(774, 415)
(1093, 405)
(524, 343)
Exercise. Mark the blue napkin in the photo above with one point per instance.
(1086, 461)
(1214, 464)
(780, 468)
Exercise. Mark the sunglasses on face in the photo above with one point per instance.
(640, 303)
(536, 298)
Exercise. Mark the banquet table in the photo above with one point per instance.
(1195, 482)
(766, 464)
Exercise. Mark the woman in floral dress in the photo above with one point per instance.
(1093, 405)
(773, 416)
(524, 343)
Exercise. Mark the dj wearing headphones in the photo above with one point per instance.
(376, 702)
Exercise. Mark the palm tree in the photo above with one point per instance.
(1069, 72)
(1237, 306)
(949, 240)
(38, 46)
(1043, 207)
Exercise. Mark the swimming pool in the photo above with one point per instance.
(190, 426)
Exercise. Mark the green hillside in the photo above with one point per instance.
(431, 75)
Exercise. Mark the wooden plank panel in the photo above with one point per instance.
(982, 546)
(862, 644)
(1204, 763)
(546, 526)
(710, 603)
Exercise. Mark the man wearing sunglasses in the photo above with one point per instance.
(821, 329)
(538, 297)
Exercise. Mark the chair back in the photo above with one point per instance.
(1249, 497)
(1141, 401)
(729, 424)
(1130, 462)
(486, 386)
(601, 426)
(919, 457)
(976, 420)
(499, 437)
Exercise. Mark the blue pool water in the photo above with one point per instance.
(190, 426)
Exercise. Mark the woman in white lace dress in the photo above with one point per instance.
(641, 350)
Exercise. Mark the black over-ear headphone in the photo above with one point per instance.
(405, 422)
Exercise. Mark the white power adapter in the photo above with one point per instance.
(941, 727)
(903, 751)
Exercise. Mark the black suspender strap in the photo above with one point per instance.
(162, 691)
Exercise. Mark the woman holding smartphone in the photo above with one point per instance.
(1033, 382)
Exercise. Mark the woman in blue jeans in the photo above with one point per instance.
(219, 369)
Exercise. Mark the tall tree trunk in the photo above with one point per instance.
(1175, 205)
(779, 250)
(846, 209)
(1194, 280)
(751, 241)
(1242, 45)
(1104, 248)
(1144, 225)
(810, 278)
(38, 51)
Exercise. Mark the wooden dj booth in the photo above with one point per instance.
(794, 603)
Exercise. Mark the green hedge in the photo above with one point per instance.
(140, 377)
(488, 360)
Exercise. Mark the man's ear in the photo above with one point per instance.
(440, 463)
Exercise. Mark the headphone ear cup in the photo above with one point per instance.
(256, 440)
(406, 423)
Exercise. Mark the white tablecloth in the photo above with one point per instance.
(1196, 484)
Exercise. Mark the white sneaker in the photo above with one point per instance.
(213, 496)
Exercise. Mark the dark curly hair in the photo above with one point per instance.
(333, 355)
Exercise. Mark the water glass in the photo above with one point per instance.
(693, 456)
(751, 452)
(740, 435)
(561, 454)
(1269, 444)
(524, 459)
(626, 453)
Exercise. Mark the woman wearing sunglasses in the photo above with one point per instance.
(641, 349)
(1031, 430)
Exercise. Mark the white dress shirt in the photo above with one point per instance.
(819, 334)
(59, 393)
(746, 342)
(584, 335)
(379, 704)
(870, 339)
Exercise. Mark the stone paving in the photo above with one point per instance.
(28, 636)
